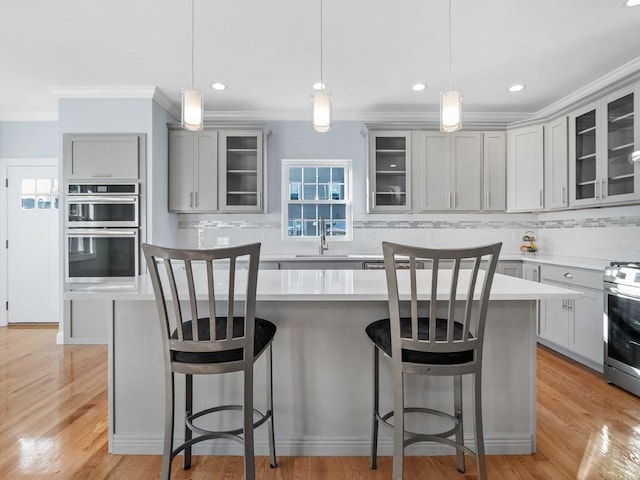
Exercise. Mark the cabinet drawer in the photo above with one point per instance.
(572, 276)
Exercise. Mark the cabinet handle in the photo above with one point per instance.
(597, 190)
(190, 199)
(563, 195)
(486, 200)
(603, 189)
(196, 199)
(568, 275)
(541, 198)
(570, 305)
(564, 304)
(448, 199)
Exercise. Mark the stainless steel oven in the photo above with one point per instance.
(622, 325)
(102, 231)
(97, 254)
(102, 205)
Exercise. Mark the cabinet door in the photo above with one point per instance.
(556, 164)
(525, 168)
(494, 175)
(435, 153)
(103, 156)
(205, 181)
(390, 171)
(554, 321)
(587, 325)
(530, 272)
(620, 178)
(513, 269)
(584, 144)
(241, 170)
(181, 171)
(465, 170)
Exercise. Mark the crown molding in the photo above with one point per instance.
(26, 116)
(104, 92)
(613, 80)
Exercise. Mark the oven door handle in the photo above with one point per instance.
(101, 200)
(617, 292)
(97, 232)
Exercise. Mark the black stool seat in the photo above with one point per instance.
(263, 335)
(380, 334)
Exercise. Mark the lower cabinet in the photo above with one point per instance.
(574, 327)
(87, 321)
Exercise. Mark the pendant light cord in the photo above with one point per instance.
(321, 48)
(450, 54)
(192, 42)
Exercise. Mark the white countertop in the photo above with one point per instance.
(328, 285)
(575, 262)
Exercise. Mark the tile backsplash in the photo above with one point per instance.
(608, 233)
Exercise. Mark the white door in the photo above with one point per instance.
(33, 251)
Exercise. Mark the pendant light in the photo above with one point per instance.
(322, 97)
(451, 100)
(192, 100)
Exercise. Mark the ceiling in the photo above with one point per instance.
(268, 53)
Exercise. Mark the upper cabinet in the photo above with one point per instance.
(389, 171)
(422, 170)
(103, 156)
(452, 168)
(525, 169)
(556, 164)
(241, 161)
(193, 171)
(602, 136)
(216, 170)
(494, 176)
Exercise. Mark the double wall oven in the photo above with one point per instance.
(102, 231)
(622, 325)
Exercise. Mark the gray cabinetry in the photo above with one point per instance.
(389, 176)
(574, 327)
(525, 167)
(556, 164)
(193, 171)
(511, 268)
(216, 170)
(103, 156)
(494, 176)
(602, 136)
(452, 168)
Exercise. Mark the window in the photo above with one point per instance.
(313, 191)
(39, 193)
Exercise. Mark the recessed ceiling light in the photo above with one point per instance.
(418, 87)
(218, 86)
(319, 86)
(633, 3)
(516, 88)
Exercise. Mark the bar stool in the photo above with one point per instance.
(442, 334)
(198, 340)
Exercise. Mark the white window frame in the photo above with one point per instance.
(287, 164)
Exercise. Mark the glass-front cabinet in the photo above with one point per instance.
(389, 171)
(603, 135)
(241, 169)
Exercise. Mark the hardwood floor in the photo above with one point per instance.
(53, 424)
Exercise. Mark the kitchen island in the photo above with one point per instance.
(322, 365)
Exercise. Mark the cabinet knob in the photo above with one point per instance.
(568, 275)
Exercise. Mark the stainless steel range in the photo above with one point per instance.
(622, 325)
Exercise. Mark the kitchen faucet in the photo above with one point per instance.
(323, 237)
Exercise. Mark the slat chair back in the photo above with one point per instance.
(466, 275)
(196, 286)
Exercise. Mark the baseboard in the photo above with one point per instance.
(321, 445)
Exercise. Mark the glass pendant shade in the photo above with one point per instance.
(192, 110)
(450, 111)
(322, 111)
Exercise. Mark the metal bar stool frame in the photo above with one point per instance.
(463, 338)
(177, 296)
